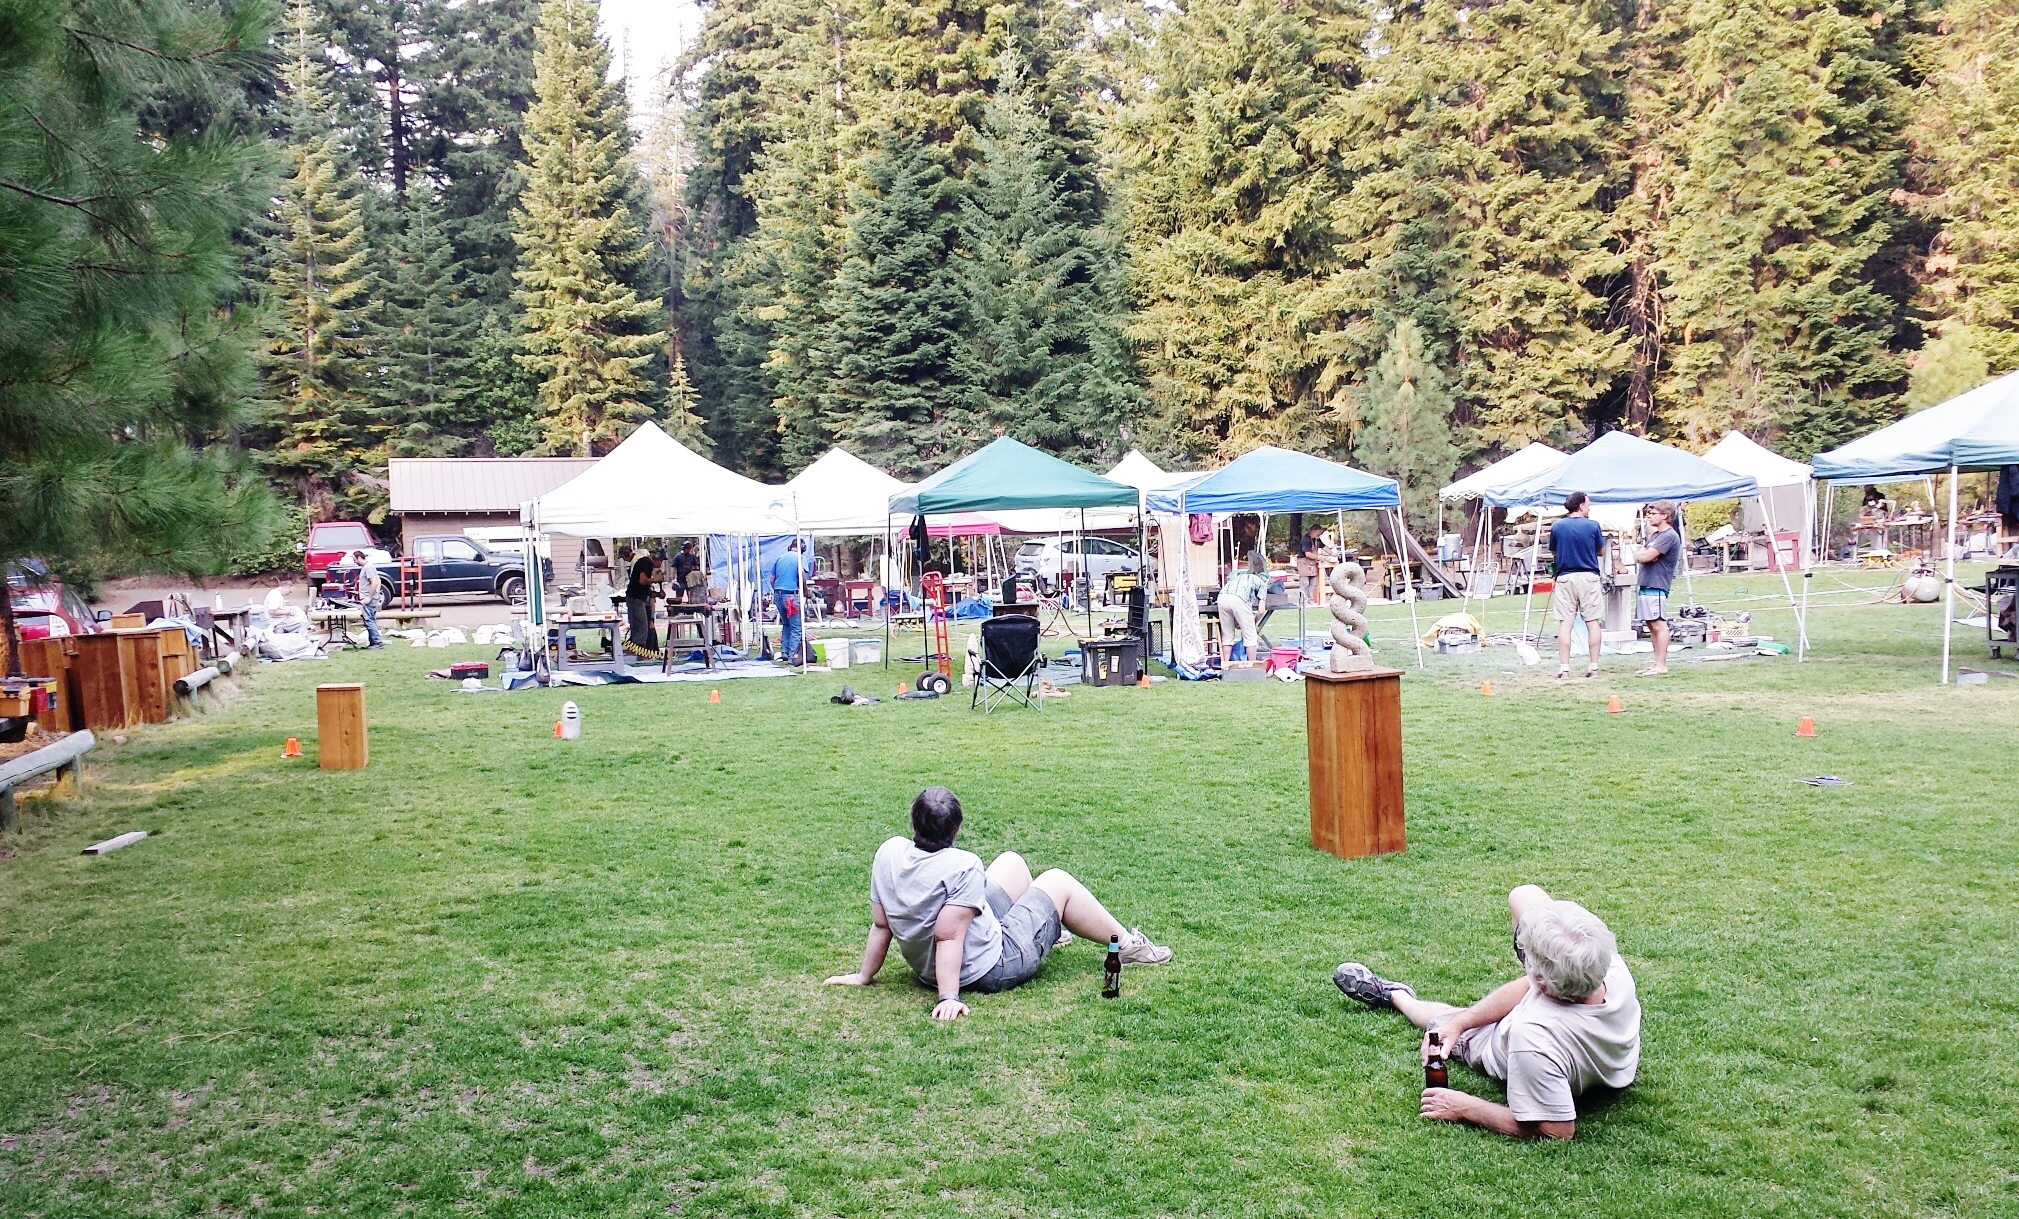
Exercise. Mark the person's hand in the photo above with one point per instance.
(854, 979)
(949, 1009)
(1447, 1028)
(1445, 1104)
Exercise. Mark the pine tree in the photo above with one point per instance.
(897, 390)
(586, 332)
(1950, 364)
(1406, 435)
(424, 331)
(1785, 149)
(318, 277)
(1966, 151)
(665, 158)
(1046, 293)
(124, 365)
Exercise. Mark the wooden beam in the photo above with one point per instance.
(113, 844)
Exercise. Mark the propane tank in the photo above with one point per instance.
(571, 721)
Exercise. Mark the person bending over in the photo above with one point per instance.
(1569, 1024)
(961, 926)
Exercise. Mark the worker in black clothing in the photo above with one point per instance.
(638, 596)
(684, 565)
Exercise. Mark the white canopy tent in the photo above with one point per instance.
(1527, 462)
(841, 495)
(1787, 492)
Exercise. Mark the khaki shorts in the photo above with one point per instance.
(1578, 594)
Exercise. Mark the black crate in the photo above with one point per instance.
(1110, 662)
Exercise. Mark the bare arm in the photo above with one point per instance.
(872, 953)
(1497, 1003)
(949, 953)
(1451, 1105)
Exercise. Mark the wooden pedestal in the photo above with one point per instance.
(106, 688)
(1354, 725)
(340, 726)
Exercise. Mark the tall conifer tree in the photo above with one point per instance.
(423, 334)
(1406, 433)
(586, 332)
(318, 277)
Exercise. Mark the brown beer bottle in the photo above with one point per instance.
(1111, 971)
(1435, 1073)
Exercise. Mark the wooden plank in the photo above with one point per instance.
(112, 844)
(178, 659)
(122, 622)
(340, 726)
(140, 654)
(1354, 729)
(106, 695)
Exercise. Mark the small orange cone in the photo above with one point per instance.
(1143, 681)
(903, 689)
(1807, 727)
(715, 696)
(557, 730)
(1486, 689)
(292, 749)
(1613, 705)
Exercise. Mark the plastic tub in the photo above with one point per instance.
(865, 651)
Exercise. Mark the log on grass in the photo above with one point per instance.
(190, 683)
(68, 752)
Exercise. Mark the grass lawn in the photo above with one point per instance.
(500, 974)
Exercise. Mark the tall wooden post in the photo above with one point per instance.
(340, 726)
(1354, 724)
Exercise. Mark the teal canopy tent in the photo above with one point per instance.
(1978, 430)
(1009, 474)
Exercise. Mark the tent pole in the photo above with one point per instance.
(1774, 556)
(1534, 554)
(884, 584)
(1409, 589)
(1949, 580)
(1087, 573)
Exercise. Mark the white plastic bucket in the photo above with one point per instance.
(571, 721)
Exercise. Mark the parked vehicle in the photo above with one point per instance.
(331, 542)
(45, 608)
(1100, 558)
(451, 565)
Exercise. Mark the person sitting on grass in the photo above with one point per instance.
(959, 925)
(1571, 1023)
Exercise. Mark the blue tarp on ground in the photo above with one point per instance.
(1974, 431)
(1270, 479)
(1008, 475)
(1621, 469)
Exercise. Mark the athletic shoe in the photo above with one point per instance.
(1563, 673)
(1065, 937)
(1362, 983)
(1138, 950)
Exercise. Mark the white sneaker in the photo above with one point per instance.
(1138, 950)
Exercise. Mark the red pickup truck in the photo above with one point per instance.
(332, 542)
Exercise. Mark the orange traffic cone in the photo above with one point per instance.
(903, 689)
(1143, 681)
(292, 749)
(1613, 705)
(1807, 727)
(557, 730)
(1486, 688)
(715, 696)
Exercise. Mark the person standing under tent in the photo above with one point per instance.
(1577, 541)
(368, 597)
(1239, 597)
(783, 578)
(685, 564)
(638, 596)
(1312, 555)
(1658, 559)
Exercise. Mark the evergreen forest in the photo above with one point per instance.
(249, 251)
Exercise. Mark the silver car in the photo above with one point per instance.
(1045, 558)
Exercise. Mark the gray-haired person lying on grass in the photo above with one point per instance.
(960, 925)
(1569, 1024)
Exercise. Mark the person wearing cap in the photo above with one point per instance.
(1658, 558)
(368, 597)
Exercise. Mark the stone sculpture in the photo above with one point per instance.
(1350, 653)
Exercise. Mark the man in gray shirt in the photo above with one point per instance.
(959, 925)
(368, 597)
(1658, 558)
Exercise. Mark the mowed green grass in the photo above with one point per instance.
(505, 975)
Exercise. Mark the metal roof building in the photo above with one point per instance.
(454, 494)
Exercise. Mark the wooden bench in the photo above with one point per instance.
(66, 754)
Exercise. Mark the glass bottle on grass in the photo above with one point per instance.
(1435, 1073)
(1111, 970)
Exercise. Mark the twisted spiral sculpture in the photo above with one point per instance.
(1349, 621)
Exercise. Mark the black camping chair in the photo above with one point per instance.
(1009, 656)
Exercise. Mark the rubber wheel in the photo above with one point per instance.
(938, 683)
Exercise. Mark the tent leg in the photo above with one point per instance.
(884, 584)
(1402, 544)
(1949, 580)
(1774, 556)
(1534, 555)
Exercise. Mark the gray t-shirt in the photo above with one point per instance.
(1656, 577)
(911, 885)
(1550, 1051)
(368, 581)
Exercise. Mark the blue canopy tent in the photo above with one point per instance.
(1978, 430)
(1270, 479)
(1619, 468)
(1004, 475)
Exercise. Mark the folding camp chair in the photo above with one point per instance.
(1009, 656)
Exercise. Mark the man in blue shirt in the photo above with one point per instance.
(784, 580)
(1577, 541)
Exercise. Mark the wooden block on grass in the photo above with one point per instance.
(113, 844)
(1354, 726)
(106, 693)
(340, 726)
